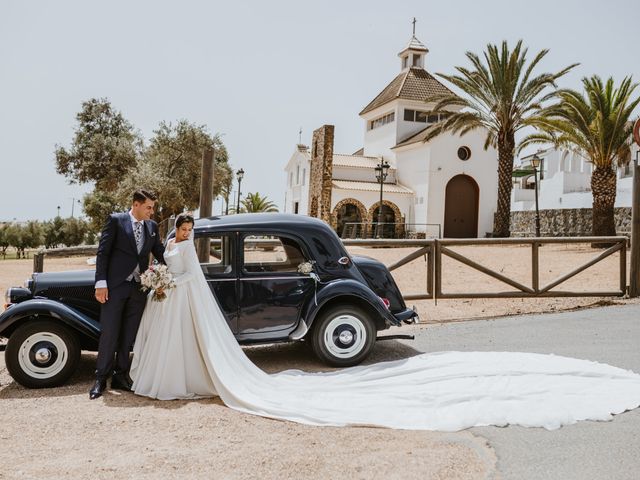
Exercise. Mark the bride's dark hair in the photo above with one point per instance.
(184, 217)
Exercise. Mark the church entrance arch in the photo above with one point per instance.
(346, 213)
(391, 218)
(461, 207)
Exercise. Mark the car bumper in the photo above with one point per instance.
(408, 315)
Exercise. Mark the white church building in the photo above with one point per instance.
(445, 187)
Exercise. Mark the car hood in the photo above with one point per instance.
(74, 278)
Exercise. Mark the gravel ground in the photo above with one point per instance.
(59, 433)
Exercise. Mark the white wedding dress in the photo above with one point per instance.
(185, 349)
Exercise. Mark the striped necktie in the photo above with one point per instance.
(137, 231)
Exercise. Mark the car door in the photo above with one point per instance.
(221, 274)
(271, 291)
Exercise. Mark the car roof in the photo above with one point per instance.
(259, 220)
(326, 248)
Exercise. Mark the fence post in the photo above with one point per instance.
(38, 262)
(535, 266)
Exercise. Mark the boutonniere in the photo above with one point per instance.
(153, 234)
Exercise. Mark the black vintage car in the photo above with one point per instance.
(253, 270)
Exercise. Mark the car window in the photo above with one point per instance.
(220, 255)
(271, 253)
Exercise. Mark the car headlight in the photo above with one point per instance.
(17, 295)
(7, 298)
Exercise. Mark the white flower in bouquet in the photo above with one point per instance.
(306, 267)
(159, 279)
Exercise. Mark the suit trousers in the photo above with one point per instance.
(119, 318)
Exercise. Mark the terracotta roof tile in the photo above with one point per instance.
(412, 84)
(358, 161)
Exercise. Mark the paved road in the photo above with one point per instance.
(586, 450)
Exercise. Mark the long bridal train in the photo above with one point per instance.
(185, 350)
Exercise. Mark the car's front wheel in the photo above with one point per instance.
(343, 336)
(42, 354)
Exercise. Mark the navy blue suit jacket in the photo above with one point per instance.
(117, 252)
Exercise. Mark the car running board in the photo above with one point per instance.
(396, 337)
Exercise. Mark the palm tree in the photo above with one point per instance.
(597, 125)
(502, 97)
(253, 203)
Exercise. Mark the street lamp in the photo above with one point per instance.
(73, 203)
(535, 163)
(239, 176)
(381, 175)
(58, 210)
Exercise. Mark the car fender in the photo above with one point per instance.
(21, 312)
(347, 288)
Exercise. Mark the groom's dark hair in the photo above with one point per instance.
(141, 195)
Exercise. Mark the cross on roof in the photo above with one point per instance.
(414, 25)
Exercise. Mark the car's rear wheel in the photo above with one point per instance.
(343, 336)
(42, 354)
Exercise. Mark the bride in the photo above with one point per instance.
(184, 349)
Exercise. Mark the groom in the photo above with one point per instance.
(123, 254)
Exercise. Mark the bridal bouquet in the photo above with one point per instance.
(157, 277)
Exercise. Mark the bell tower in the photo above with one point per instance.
(414, 53)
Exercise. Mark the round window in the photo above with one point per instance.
(464, 153)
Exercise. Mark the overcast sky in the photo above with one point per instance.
(255, 71)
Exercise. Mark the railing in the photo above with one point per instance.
(353, 230)
(436, 249)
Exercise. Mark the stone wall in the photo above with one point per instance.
(568, 222)
(321, 173)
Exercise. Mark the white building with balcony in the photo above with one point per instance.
(564, 182)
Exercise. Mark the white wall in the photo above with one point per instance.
(380, 140)
(413, 172)
(359, 174)
(482, 166)
(297, 191)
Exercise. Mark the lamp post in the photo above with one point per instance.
(382, 170)
(239, 176)
(58, 210)
(73, 204)
(535, 163)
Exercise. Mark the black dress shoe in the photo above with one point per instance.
(121, 381)
(98, 388)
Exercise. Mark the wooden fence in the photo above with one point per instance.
(435, 250)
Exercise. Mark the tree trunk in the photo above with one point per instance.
(603, 187)
(502, 219)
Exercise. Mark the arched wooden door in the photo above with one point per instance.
(461, 208)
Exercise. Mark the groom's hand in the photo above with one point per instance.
(102, 294)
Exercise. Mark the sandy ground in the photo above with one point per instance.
(59, 433)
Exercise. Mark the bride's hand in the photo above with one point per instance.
(159, 291)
